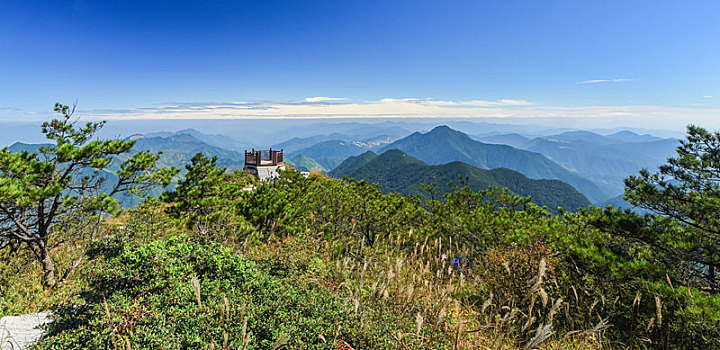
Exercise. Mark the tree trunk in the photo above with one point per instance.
(48, 268)
(711, 275)
(72, 266)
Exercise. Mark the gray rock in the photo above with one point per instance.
(20, 332)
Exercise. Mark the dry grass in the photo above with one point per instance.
(416, 280)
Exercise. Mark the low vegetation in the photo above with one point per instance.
(322, 263)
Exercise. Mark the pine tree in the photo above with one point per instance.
(65, 181)
(687, 190)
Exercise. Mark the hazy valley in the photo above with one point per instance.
(593, 164)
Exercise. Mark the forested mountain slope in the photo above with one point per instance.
(443, 145)
(395, 171)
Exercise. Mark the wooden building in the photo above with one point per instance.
(264, 164)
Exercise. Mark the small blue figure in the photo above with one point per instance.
(460, 262)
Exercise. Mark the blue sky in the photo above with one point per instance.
(132, 59)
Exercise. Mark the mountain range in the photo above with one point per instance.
(305, 163)
(443, 144)
(328, 151)
(606, 160)
(216, 140)
(396, 171)
(593, 164)
(177, 150)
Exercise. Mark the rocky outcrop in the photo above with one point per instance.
(20, 332)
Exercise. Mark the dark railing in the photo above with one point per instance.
(257, 157)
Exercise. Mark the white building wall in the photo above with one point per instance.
(269, 172)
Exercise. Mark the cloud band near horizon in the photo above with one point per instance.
(343, 108)
(600, 81)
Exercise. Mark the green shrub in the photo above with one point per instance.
(176, 293)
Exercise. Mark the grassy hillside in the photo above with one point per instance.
(398, 172)
(322, 263)
(325, 264)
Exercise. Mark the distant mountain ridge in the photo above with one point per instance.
(330, 153)
(177, 150)
(629, 136)
(513, 139)
(443, 144)
(216, 140)
(396, 171)
(606, 160)
(305, 163)
(592, 163)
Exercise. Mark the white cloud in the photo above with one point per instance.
(323, 99)
(599, 81)
(510, 110)
(707, 97)
(515, 102)
(316, 107)
(448, 103)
